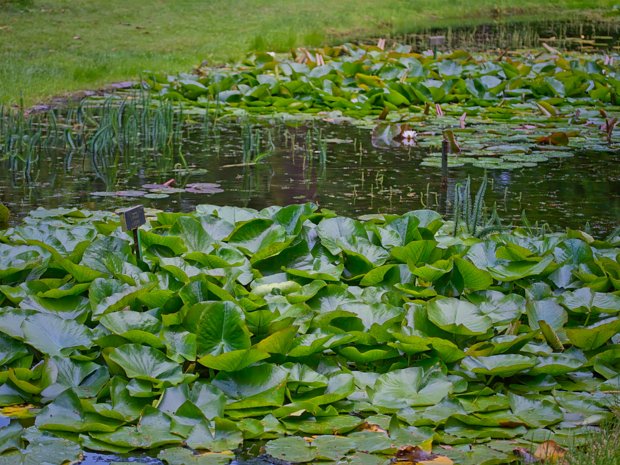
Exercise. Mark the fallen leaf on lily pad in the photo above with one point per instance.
(19, 411)
(549, 451)
(371, 427)
(417, 456)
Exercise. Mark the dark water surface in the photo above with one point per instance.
(355, 179)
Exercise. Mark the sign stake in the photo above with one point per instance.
(131, 220)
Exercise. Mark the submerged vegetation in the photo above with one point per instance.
(240, 325)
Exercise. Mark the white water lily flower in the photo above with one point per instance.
(409, 134)
(409, 137)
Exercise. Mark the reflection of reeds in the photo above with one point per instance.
(573, 34)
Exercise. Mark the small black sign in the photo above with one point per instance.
(132, 218)
(437, 40)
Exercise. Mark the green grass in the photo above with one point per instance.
(49, 47)
(602, 449)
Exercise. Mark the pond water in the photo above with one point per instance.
(356, 178)
(569, 34)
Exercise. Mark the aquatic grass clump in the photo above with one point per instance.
(109, 132)
(256, 142)
(19, 140)
(601, 447)
(469, 212)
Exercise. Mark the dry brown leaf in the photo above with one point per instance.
(371, 427)
(439, 460)
(549, 451)
(417, 456)
(511, 424)
(18, 411)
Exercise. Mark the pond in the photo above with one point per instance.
(544, 146)
(337, 159)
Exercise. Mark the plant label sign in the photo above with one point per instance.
(132, 218)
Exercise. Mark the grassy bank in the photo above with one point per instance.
(51, 47)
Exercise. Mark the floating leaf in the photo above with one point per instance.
(458, 317)
(410, 387)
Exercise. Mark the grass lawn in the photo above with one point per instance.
(48, 47)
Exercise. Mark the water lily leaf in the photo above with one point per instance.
(21, 261)
(339, 387)
(66, 414)
(432, 272)
(122, 402)
(257, 234)
(557, 364)
(502, 365)
(45, 449)
(291, 217)
(55, 336)
(10, 437)
(146, 363)
(220, 328)
(110, 295)
(203, 188)
(458, 317)
(182, 456)
(234, 360)
(585, 300)
(104, 254)
(363, 355)
(461, 430)
(153, 430)
(593, 336)
(447, 350)
(549, 311)
(410, 387)
(292, 449)
(339, 424)
(313, 343)
(417, 253)
(222, 436)
(193, 234)
(85, 378)
(138, 327)
(255, 386)
(500, 307)
(535, 413)
(550, 335)
(474, 278)
(11, 350)
(316, 266)
(512, 271)
(333, 447)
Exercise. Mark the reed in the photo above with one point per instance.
(109, 132)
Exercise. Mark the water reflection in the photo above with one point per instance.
(355, 178)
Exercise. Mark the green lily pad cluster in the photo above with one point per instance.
(506, 111)
(359, 80)
(241, 325)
